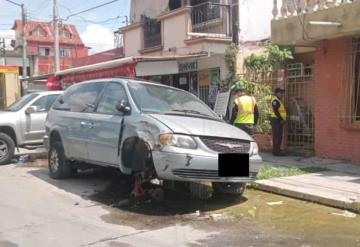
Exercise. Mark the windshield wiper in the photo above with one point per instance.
(192, 112)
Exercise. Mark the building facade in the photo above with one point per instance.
(327, 71)
(40, 43)
(190, 38)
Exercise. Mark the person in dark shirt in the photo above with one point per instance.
(278, 119)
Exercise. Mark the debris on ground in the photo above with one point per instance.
(252, 211)
(346, 214)
(121, 203)
(197, 213)
(275, 203)
(23, 158)
(216, 216)
(76, 204)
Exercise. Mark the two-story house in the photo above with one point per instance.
(190, 38)
(324, 80)
(40, 43)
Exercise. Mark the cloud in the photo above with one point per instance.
(8, 35)
(98, 37)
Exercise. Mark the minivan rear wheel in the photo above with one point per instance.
(59, 166)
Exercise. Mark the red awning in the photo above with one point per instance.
(127, 70)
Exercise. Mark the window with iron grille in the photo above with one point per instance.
(205, 11)
(352, 84)
(356, 87)
(152, 32)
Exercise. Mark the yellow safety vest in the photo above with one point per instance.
(245, 114)
(282, 109)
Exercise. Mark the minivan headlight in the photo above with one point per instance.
(181, 141)
(254, 148)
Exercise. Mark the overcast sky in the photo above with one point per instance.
(95, 27)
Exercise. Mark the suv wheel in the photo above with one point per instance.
(59, 165)
(7, 148)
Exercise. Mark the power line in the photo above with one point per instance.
(18, 4)
(41, 7)
(86, 10)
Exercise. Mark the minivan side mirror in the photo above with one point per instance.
(31, 109)
(123, 106)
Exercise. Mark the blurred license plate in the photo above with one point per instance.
(233, 165)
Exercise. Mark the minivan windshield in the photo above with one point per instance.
(167, 100)
(16, 106)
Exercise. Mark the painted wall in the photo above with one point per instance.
(175, 31)
(332, 140)
(255, 18)
(146, 7)
(289, 31)
(133, 41)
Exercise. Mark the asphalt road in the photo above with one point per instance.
(92, 209)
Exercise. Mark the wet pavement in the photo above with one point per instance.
(94, 210)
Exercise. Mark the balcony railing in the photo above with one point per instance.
(287, 8)
(211, 18)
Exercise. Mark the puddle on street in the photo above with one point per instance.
(312, 221)
(304, 221)
(308, 221)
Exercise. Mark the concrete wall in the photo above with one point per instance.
(133, 41)
(148, 8)
(295, 30)
(214, 62)
(174, 30)
(254, 18)
(245, 51)
(332, 140)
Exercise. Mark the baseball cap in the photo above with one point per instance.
(279, 90)
(239, 88)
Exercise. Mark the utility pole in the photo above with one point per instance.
(3, 49)
(24, 45)
(56, 37)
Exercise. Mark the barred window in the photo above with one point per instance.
(356, 87)
(351, 98)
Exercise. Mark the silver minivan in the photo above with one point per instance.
(147, 130)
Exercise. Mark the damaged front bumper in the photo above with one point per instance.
(197, 167)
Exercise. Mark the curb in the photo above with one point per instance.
(353, 206)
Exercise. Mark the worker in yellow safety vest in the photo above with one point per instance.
(278, 120)
(245, 112)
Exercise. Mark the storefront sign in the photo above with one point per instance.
(221, 103)
(204, 77)
(9, 69)
(188, 67)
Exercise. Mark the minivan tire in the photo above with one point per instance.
(234, 189)
(59, 166)
(7, 148)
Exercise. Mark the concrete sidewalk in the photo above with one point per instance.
(338, 186)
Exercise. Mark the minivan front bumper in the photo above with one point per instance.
(191, 167)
